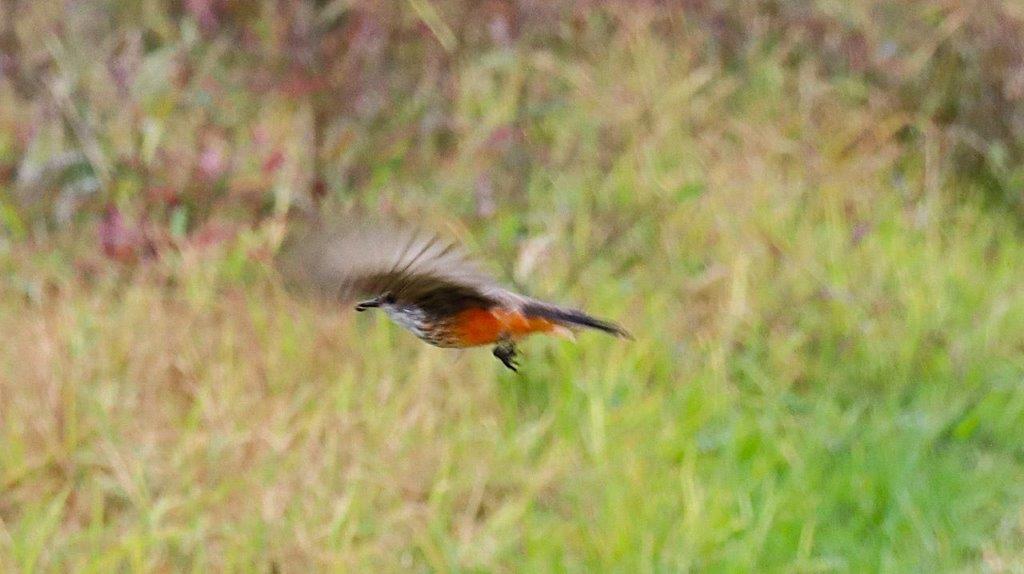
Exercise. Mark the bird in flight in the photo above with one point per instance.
(426, 285)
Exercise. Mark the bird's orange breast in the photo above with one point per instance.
(479, 326)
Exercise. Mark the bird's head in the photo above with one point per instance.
(385, 300)
(404, 313)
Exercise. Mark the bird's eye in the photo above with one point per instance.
(388, 299)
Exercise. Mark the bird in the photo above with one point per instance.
(425, 284)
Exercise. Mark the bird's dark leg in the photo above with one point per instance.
(506, 353)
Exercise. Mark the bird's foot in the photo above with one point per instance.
(506, 353)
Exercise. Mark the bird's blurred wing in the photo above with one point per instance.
(346, 262)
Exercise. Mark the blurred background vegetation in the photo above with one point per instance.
(808, 212)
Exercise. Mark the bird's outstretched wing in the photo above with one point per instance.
(347, 262)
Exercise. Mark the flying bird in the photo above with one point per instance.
(427, 285)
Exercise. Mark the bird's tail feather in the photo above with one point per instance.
(572, 318)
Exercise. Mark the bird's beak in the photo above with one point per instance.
(367, 305)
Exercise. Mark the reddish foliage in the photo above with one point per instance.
(118, 240)
(299, 83)
(213, 160)
(374, 73)
(213, 233)
(163, 195)
(204, 13)
(273, 163)
(319, 189)
(503, 138)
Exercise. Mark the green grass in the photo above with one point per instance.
(826, 377)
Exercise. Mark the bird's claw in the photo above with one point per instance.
(506, 353)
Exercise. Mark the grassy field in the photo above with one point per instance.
(829, 356)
